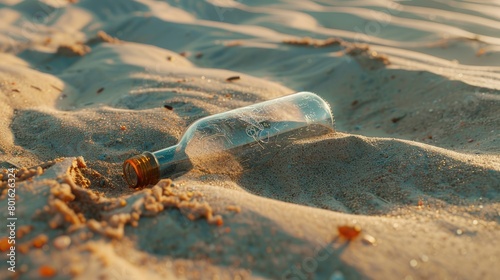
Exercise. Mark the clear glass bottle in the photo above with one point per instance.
(247, 134)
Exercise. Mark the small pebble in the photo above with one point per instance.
(397, 119)
(40, 240)
(349, 232)
(369, 240)
(62, 242)
(233, 78)
(46, 271)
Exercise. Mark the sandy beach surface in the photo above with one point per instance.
(407, 187)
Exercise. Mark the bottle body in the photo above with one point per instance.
(247, 134)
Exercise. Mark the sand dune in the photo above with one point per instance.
(414, 162)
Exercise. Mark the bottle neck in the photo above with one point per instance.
(172, 161)
(148, 168)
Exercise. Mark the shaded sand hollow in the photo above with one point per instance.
(407, 187)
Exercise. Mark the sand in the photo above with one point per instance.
(407, 187)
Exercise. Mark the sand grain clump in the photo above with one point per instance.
(77, 49)
(307, 41)
(103, 37)
(414, 161)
